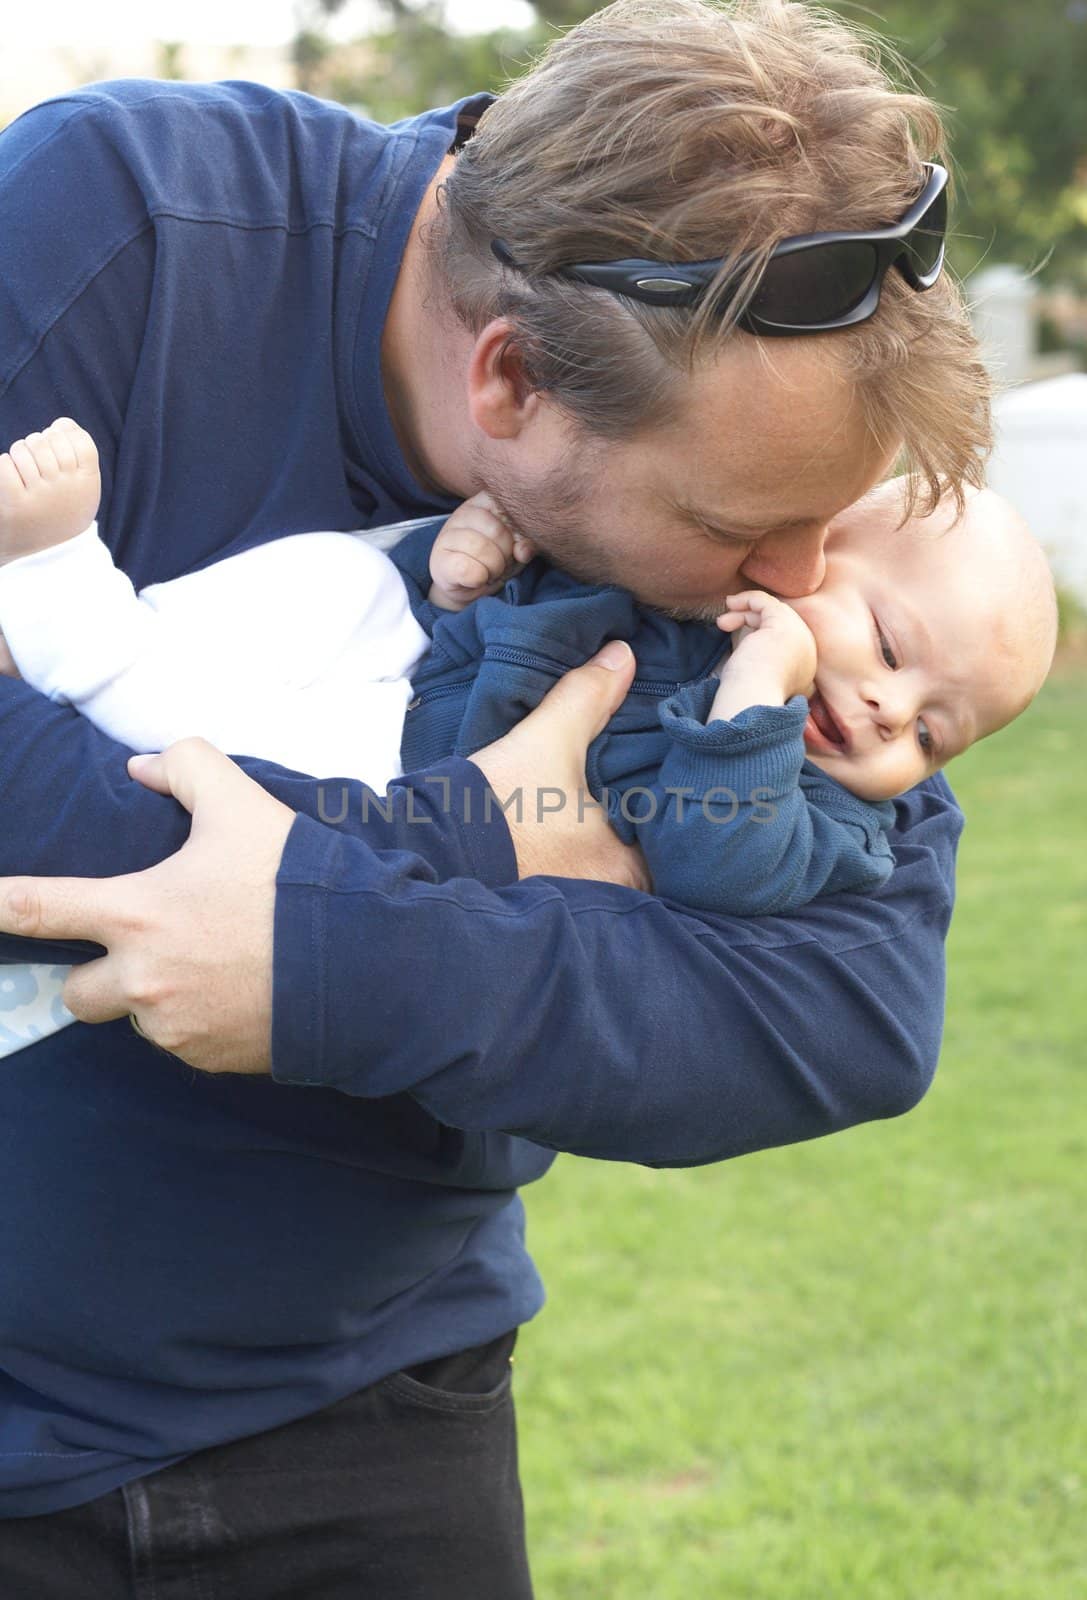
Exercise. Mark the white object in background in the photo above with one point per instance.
(1040, 463)
(1002, 310)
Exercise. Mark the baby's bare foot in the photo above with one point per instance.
(50, 487)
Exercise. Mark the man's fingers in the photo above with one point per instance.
(194, 772)
(550, 744)
(60, 908)
(585, 697)
(93, 992)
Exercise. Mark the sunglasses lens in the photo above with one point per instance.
(809, 287)
(926, 242)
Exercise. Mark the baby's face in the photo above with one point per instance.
(922, 648)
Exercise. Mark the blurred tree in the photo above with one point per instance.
(563, 13)
(412, 60)
(311, 47)
(1014, 83)
(170, 59)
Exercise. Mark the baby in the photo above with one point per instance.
(753, 782)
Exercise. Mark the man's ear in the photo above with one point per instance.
(501, 400)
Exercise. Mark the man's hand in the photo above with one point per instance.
(558, 830)
(190, 942)
(474, 554)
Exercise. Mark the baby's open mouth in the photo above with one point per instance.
(821, 731)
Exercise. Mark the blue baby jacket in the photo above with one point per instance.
(731, 817)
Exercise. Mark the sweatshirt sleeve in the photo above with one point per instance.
(70, 809)
(610, 1023)
(732, 828)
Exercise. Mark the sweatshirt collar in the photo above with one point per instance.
(417, 147)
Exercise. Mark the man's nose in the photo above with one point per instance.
(789, 563)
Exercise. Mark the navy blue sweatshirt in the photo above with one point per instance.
(200, 275)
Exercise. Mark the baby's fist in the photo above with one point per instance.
(474, 554)
(775, 641)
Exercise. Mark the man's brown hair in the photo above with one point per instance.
(682, 129)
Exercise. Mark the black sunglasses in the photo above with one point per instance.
(812, 283)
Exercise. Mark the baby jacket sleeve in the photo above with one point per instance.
(740, 825)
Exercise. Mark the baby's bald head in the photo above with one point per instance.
(931, 632)
(1015, 599)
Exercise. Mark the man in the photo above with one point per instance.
(255, 1329)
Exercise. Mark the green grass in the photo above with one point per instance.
(854, 1368)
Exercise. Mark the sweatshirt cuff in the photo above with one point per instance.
(448, 816)
(474, 821)
(760, 748)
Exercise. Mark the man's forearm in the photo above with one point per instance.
(71, 810)
(604, 1022)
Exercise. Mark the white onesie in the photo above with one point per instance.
(300, 651)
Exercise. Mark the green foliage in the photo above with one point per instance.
(171, 59)
(1013, 82)
(310, 51)
(1071, 618)
(418, 63)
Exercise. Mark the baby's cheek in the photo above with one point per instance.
(894, 769)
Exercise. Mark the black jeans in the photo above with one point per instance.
(407, 1490)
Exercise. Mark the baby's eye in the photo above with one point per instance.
(924, 737)
(885, 650)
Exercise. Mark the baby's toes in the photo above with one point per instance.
(41, 448)
(64, 447)
(11, 484)
(25, 462)
(70, 437)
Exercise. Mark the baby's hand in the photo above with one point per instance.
(774, 659)
(49, 489)
(474, 554)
